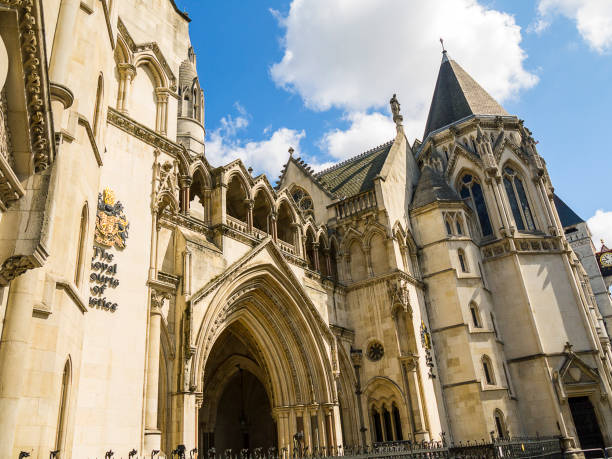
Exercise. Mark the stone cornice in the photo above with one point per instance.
(141, 132)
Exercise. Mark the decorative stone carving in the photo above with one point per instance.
(32, 56)
(13, 267)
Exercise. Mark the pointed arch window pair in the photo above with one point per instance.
(471, 191)
(517, 197)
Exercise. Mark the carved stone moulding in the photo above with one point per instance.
(35, 81)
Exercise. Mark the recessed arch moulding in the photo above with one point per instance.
(291, 351)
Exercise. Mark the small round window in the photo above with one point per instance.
(375, 351)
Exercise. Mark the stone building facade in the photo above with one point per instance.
(417, 291)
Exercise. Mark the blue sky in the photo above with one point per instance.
(318, 74)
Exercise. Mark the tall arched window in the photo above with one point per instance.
(387, 421)
(398, 423)
(518, 200)
(60, 436)
(500, 424)
(462, 261)
(97, 116)
(80, 255)
(475, 315)
(449, 229)
(471, 191)
(459, 226)
(487, 369)
(378, 435)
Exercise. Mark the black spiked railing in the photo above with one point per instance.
(495, 448)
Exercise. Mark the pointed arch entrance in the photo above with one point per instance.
(239, 412)
(266, 365)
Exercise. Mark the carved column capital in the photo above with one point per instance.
(157, 301)
(356, 357)
(185, 181)
(161, 95)
(127, 71)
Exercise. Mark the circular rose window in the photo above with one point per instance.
(375, 351)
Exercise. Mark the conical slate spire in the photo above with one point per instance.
(456, 96)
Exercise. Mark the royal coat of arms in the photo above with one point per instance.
(111, 224)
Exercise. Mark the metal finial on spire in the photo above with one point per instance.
(442, 43)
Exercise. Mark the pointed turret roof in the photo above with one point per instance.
(456, 96)
(432, 187)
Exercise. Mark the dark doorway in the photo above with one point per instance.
(244, 418)
(586, 423)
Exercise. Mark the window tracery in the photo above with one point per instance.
(302, 200)
(517, 197)
(471, 191)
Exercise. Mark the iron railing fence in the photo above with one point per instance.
(500, 448)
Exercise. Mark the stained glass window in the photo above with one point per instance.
(471, 191)
(517, 197)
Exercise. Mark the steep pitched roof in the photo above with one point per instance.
(357, 174)
(432, 187)
(456, 96)
(567, 216)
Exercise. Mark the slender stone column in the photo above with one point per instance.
(249, 204)
(63, 41)
(161, 122)
(308, 440)
(152, 433)
(185, 183)
(315, 256)
(127, 72)
(14, 347)
(322, 430)
(328, 262)
(357, 358)
(417, 413)
(273, 219)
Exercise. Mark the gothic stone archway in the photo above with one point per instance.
(263, 323)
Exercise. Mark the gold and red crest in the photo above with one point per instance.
(111, 224)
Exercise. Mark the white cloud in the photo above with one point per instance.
(600, 225)
(354, 54)
(267, 155)
(366, 131)
(593, 19)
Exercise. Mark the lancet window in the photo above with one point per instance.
(462, 261)
(500, 424)
(475, 315)
(236, 200)
(78, 272)
(284, 224)
(487, 369)
(518, 200)
(62, 419)
(387, 423)
(471, 191)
